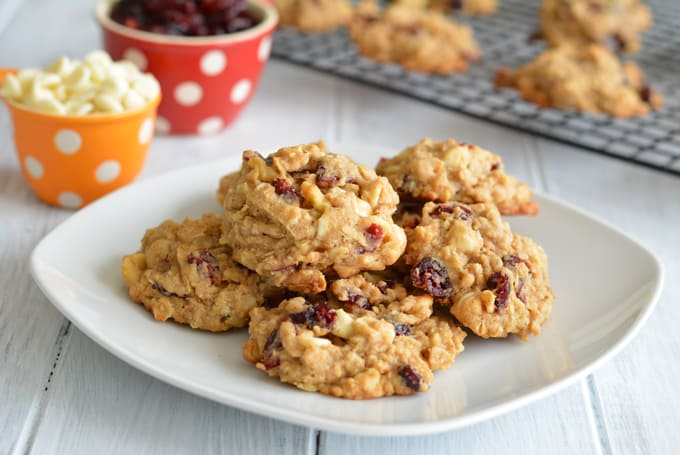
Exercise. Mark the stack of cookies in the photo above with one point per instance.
(353, 282)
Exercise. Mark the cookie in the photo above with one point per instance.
(313, 15)
(225, 182)
(183, 273)
(389, 345)
(467, 7)
(304, 213)
(494, 281)
(415, 39)
(452, 171)
(580, 22)
(589, 79)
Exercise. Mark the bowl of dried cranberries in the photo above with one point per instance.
(207, 54)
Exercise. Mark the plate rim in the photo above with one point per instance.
(331, 424)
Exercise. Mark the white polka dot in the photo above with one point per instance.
(145, 131)
(188, 93)
(34, 167)
(240, 91)
(137, 57)
(264, 48)
(107, 171)
(213, 63)
(162, 125)
(211, 125)
(68, 141)
(70, 200)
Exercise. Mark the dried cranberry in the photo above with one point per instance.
(431, 276)
(384, 285)
(411, 377)
(285, 189)
(317, 314)
(159, 287)
(645, 94)
(619, 41)
(511, 260)
(374, 233)
(464, 212)
(536, 35)
(204, 258)
(268, 353)
(323, 180)
(402, 329)
(358, 300)
(500, 285)
(495, 166)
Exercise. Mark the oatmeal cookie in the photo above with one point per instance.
(467, 7)
(579, 22)
(452, 171)
(225, 182)
(183, 273)
(314, 15)
(415, 39)
(340, 348)
(304, 213)
(588, 79)
(494, 281)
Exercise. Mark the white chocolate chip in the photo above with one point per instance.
(147, 86)
(133, 100)
(79, 79)
(107, 103)
(12, 88)
(343, 324)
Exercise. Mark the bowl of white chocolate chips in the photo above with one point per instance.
(82, 128)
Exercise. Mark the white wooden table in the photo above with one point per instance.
(61, 393)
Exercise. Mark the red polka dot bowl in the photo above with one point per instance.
(206, 81)
(69, 160)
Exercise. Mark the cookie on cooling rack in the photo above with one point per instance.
(468, 7)
(588, 78)
(415, 39)
(579, 22)
(314, 15)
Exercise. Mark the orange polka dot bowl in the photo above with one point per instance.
(69, 161)
(206, 81)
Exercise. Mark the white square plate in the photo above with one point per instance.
(605, 284)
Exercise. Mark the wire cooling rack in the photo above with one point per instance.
(652, 140)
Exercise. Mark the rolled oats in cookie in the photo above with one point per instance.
(341, 348)
(303, 214)
(586, 78)
(415, 39)
(314, 15)
(182, 273)
(467, 7)
(579, 22)
(225, 182)
(494, 281)
(452, 171)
